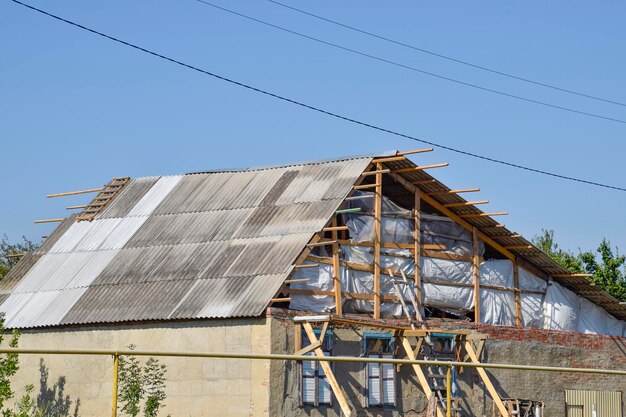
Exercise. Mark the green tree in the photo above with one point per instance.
(141, 384)
(154, 380)
(8, 248)
(606, 265)
(130, 384)
(9, 365)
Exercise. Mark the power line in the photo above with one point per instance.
(317, 109)
(449, 58)
(411, 68)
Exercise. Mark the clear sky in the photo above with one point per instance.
(77, 110)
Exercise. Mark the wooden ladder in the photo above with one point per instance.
(103, 198)
(444, 352)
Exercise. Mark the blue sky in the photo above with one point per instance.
(77, 110)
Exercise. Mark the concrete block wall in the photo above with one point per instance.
(196, 387)
(505, 345)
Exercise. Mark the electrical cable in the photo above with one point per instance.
(411, 68)
(449, 58)
(317, 109)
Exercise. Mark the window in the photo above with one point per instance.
(380, 377)
(315, 389)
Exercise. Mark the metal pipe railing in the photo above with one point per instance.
(277, 356)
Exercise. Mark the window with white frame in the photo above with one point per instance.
(380, 377)
(314, 386)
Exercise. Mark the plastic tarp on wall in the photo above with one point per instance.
(447, 284)
(532, 304)
(397, 225)
(560, 308)
(496, 306)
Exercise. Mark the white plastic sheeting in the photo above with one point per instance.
(397, 225)
(436, 271)
(560, 308)
(447, 284)
(532, 304)
(497, 307)
(321, 279)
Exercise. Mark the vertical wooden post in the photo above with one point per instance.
(417, 255)
(476, 275)
(336, 270)
(116, 367)
(518, 301)
(297, 337)
(377, 228)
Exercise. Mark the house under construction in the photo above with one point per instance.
(363, 256)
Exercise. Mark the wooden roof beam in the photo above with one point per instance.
(474, 215)
(93, 190)
(421, 168)
(449, 213)
(414, 151)
(448, 192)
(467, 203)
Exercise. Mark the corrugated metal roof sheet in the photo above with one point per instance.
(189, 246)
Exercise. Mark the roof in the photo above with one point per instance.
(179, 247)
(219, 244)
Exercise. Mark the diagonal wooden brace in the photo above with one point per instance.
(421, 377)
(483, 375)
(332, 381)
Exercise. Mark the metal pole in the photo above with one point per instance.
(116, 367)
(449, 392)
(278, 356)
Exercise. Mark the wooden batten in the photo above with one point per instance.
(280, 300)
(364, 186)
(378, 171)
(414, 151)
(467, 203)
(48, 221)
(13, 255)
(420, 168)
(448, 192)
(388, 159)
(570, 275)
(92, 190)
(291, 281)
(474, 215)
(519, 247)
(306, 266)
(334, 229)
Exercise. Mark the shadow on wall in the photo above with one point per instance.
(51, 400)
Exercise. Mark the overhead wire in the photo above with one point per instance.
(447, 57)
(314, 108)
(409, 67)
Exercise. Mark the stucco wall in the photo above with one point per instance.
(195, 387)
(505, 345)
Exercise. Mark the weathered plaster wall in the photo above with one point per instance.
(195, 387)
(505, 345)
